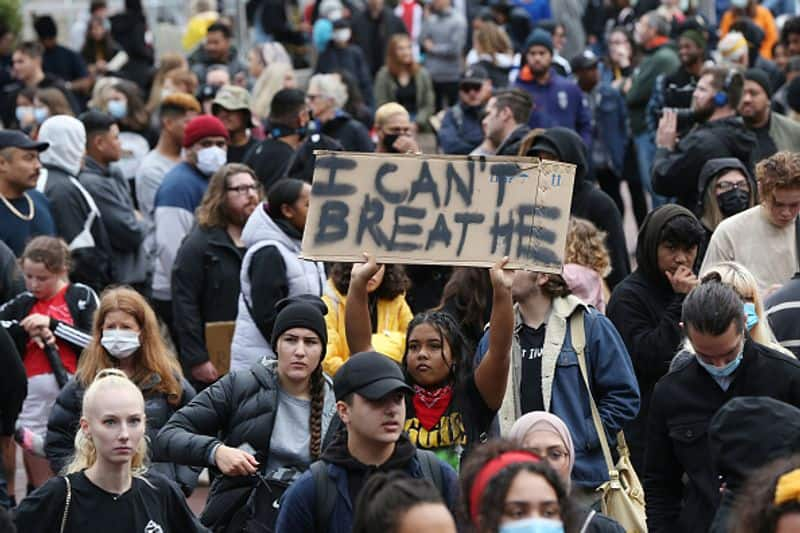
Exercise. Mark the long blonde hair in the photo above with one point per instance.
(746, 286)
(85, 452)
(267, 85)
(153, 356)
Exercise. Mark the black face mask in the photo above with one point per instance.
(388, 142)
(733, 201)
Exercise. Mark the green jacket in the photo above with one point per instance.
(659, 60)
(386, 87)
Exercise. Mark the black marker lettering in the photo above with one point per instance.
(332, 222)
(371, 216)
(417, 213)
(389, 196)
(440, 233)
(425, 184)
(464, 190)
(465, 219)
(331, 188)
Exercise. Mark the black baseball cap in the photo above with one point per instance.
(369, 374)
(475, 74)
(17, 139)
(584, 60)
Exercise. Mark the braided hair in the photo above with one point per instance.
(315, 416)
(449, 332)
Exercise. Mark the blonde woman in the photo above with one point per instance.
(491, 48)
(271, 68)
(106, 487)
(125, 336)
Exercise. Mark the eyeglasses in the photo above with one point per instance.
(244, 189)
(554, 455)
(725, 186)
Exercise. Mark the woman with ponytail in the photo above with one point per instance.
(106, 485)
(271, 419)
(125, 336)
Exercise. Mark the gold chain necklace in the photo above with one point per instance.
(31, 208)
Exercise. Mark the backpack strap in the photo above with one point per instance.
(431, 469)
(325, 494)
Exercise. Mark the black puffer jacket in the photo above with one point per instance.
(589, 201)
(236, 410)
(676, 172)
(205, 288)
(65, 419)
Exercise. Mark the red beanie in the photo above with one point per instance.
(203, 126)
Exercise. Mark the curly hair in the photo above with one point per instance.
(470, 290)
(779, 171)
(492, 39)
(754, 508)
(493, 498)
(449, 333)
(586, 246)
(395, 281)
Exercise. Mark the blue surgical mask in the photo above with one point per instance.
(722, 371)
(533, 525)
(118, 109)
(41, 114)
(750, 313)
(24, 114)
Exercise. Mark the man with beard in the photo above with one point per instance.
(205, 278)
(558, 101)
(719, 133)
(774, 132)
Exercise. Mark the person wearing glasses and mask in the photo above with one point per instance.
(461, 130)
(394, 129)
(205, 280)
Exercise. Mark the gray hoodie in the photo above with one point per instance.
(448, 31)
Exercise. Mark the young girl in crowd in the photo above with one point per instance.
(125, 336)
(389, 313)
(273, 417)
(393, 502)
(452, 405)
(52, 316)
(105, 487)
(507, 489)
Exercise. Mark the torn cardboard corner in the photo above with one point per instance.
(439, 210)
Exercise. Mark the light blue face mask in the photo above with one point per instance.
(750, 313)
(533, 525)
(722, 371)
(41, 114)
(118, 108)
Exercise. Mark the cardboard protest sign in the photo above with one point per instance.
(441, 210)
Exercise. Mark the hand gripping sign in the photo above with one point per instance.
(439, 210)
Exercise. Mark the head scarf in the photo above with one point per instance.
(543, 421)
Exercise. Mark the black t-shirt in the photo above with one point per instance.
(406, 96)
(463, 423)
(530, 389)
(236, 153)
(154, 504)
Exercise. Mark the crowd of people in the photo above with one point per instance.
(151, 197)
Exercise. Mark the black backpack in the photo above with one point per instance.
(325, 489)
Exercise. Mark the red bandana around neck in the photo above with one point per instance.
(430, 405)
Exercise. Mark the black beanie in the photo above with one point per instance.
(760, 77)
(305, 311)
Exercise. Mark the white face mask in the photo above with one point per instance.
(342, 36)
(210, 159)
(120, 343)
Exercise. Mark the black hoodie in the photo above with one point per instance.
(589, 202)
(647, 312)
(357, 472)
(677, 172)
